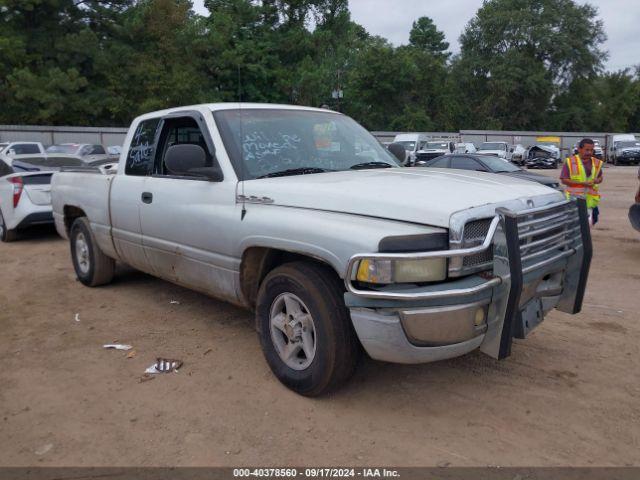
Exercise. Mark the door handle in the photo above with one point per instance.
(147, 197)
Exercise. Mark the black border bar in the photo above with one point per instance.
(587, 253)
(512, 314)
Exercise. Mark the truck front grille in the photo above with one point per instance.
(474, 234)
(542, 233)
(547, 232)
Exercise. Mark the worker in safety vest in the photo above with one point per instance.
(582, 176)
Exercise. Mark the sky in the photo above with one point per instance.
(392, 20)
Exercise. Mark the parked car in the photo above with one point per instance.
(27, 183)
(517, 154)
(433, 149)
(114, 150)
(89, 152)
(489, 163)
(466, 147)
(598, 151)
(623, 148)
(499, 149)
(542, 156)
(271, 207)
(9, 150)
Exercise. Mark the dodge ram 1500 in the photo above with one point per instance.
(300, 215)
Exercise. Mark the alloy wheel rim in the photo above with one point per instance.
(82, 253)
(293, 332)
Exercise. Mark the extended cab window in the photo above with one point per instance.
(141, 151)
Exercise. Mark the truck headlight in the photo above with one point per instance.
(402, 271)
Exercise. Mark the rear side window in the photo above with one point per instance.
(25, 148)
(440, 162)
(37, 179)
(142, 149)
(5, 169)
(465, 163)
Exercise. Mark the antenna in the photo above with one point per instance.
(242, 196)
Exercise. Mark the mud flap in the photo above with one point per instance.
(505, 307)
(577, 270)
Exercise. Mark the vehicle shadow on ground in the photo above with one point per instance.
(370, 376)
(39, 234)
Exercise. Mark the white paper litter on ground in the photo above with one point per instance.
(77, 317)
(164, 366)
(174, 302)
(117, 346)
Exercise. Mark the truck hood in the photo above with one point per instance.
(426, 196)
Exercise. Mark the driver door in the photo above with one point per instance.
(186, 220)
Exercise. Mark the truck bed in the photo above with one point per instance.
(85, 188)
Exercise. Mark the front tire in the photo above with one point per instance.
(305, 329)
(6, 235)
(92, 266)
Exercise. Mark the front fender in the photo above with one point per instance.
(332, 237)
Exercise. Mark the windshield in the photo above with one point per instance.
(408, 146)
(627, 144)
(63, 149)
(297, 142)
(438, 145)
(498, 165)
(493, 146)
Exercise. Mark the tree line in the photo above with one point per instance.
(523, 64)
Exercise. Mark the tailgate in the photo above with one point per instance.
(38, 188)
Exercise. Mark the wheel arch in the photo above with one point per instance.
(70, 214)
(258, 261)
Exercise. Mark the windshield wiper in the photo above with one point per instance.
(360, 166)
(294, 171)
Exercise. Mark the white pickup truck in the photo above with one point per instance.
(300, 215)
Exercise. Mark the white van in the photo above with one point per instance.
(412, 142)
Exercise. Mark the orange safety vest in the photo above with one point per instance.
(577, 173)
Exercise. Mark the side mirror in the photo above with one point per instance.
(190, 159)
(11, 152)
(398, 151)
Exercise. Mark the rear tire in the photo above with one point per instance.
(92, 266)
(305, 329)
(6, 235)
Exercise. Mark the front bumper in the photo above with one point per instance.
(442, 321)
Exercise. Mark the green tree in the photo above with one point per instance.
(425, 36)
(518, 55)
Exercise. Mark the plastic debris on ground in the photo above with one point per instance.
(77, 317)
(174, 302)
(164, 365)
(117, 346)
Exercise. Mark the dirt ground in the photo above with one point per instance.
(568, 395)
